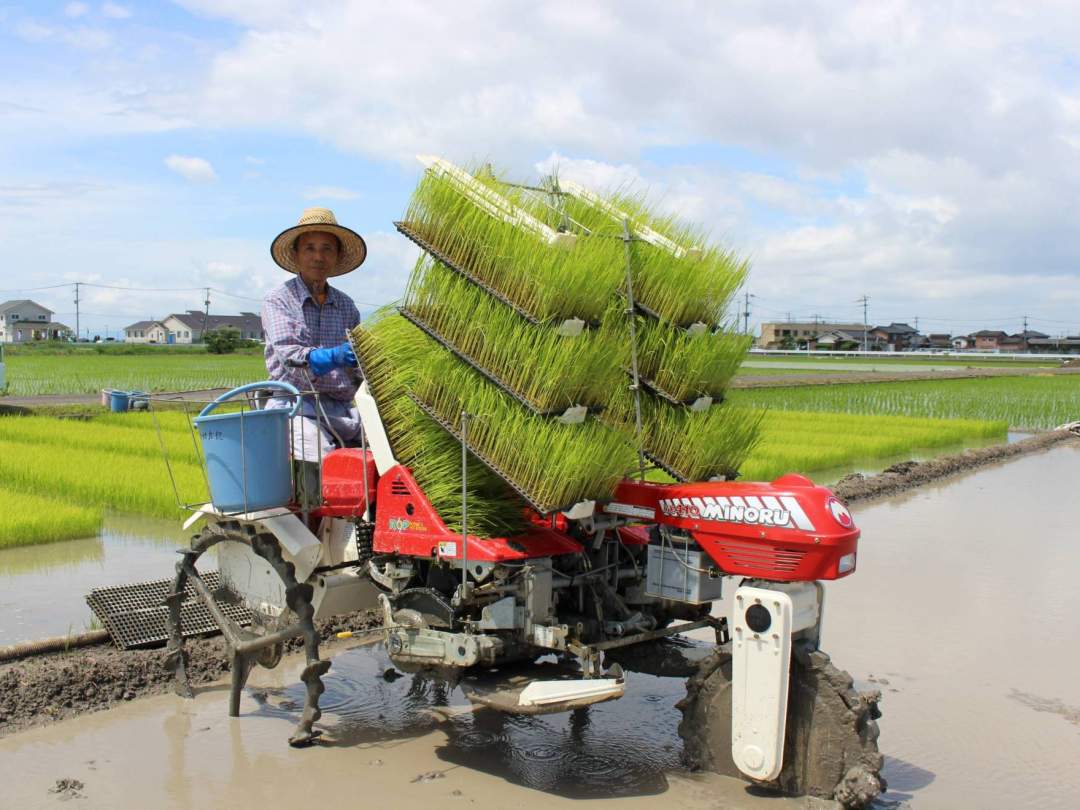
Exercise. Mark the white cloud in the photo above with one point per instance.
(76, 9)
(195, 169)
(254, 161)
(329, 193)
(116, 11)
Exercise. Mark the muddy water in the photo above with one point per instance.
(966, 611)
(43, 588)
(963, 612)
(402, 743)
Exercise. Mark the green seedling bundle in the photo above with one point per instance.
(553, 463)
(688, 365)
(552, 371)
(551, 282)
(388, 347)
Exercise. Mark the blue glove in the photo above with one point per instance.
(323, 361)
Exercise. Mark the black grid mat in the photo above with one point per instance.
(135, 615)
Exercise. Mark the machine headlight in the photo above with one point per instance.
(846, 564)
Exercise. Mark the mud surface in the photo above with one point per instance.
(963, 612)
(401, 742)
(910, 474)
(47, 688)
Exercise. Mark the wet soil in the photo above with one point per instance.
(47, 688)
(910, 474)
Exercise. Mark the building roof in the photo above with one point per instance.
(896, 329)
(1072, 340)
(193, 319)
(18, 302)
(997, 333)
(143, 325)
(39, 325)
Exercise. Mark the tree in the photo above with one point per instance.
(225, 340)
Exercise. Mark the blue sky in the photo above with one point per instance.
(923, 155)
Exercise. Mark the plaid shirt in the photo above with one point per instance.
(294, 324)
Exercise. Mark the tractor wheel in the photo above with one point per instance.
(296, 620)
(830, 749)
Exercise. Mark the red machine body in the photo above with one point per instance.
(787, 530)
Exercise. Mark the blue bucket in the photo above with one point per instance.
(118, 401)
(247, 453)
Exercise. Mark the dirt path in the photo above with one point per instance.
(851, 377)
(14, 404)
(46, 688)
(910, 474)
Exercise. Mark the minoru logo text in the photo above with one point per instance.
(783, 512)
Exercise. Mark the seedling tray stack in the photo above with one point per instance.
(516, 338)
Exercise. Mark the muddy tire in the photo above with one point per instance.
(830, 749)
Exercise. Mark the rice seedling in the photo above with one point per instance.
(32, 519)
(549, 282)
(695, 286)
(691, 445)
(686, 365)
(387, 345)
(549, 370)
(555, 464)
(114, 479)
(808, 442)
(34, 374)
(1032, 402)
(58, 437)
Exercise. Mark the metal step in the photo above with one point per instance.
(135, 615)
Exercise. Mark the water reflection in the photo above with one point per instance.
(622, 748)
(43, 588)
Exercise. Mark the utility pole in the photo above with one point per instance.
(916, 323)
(1025, 325)
(206, 314)
(865, 301)
(746, 312)
(77, 310)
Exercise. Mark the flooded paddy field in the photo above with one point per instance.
(962, 612)
(43, 587)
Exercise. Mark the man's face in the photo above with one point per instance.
(316, 255)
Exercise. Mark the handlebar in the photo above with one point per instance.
(291, 389)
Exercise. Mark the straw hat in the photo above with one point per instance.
(353, 248)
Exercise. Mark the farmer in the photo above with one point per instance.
(305, 321)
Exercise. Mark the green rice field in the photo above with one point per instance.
(1033, 403)
(39, 374)
(60, 475)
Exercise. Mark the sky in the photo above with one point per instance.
(926, 155)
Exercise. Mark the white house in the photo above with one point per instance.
(188, 327)
(146, 332)
(23, 321)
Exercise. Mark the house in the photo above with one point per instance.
(801, 335)
(939, 340)
(146, 332)
(1049, 345)
(897, 337)
(962, 343)
(988, 340)
(840, 340)
(23, 321)
(188, 327)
